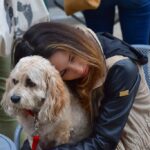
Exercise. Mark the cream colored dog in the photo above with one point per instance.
(36, 95)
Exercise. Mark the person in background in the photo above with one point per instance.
(16, 17)
(105, 73)
(134, 17)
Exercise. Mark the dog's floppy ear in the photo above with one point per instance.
(5, 98)
(57, 98)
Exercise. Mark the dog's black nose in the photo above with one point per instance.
(15, 98)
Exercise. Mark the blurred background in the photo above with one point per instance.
(57, 13)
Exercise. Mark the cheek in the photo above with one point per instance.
(40, 92)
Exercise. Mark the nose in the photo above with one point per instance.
(15, 98)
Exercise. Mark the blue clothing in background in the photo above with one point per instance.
(134, 16)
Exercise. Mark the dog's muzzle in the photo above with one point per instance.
(15, 98)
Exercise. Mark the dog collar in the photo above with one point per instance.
(30, 112)
(35, 142)
(35, 136)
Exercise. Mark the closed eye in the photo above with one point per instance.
(30, 83)
(71, 58)
(62, 73)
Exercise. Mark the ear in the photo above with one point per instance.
(56, 100)
(5, 98)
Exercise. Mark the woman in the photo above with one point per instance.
(111, 84)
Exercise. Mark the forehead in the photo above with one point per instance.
(34, 73)
(60, 60)
(31, 67)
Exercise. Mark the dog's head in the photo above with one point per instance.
(35, 85)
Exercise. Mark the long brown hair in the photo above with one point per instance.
(45, 39)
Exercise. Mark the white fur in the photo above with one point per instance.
(60, 119)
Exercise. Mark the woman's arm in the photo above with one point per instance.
(120, 90)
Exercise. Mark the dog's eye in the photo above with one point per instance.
(30, 83)
(42, 99)
(15, 81)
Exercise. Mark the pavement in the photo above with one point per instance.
(58, 15)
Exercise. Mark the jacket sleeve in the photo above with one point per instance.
(120, 90)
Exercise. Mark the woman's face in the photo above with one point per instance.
(69, 65)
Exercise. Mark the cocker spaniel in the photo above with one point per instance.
(37, 96)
